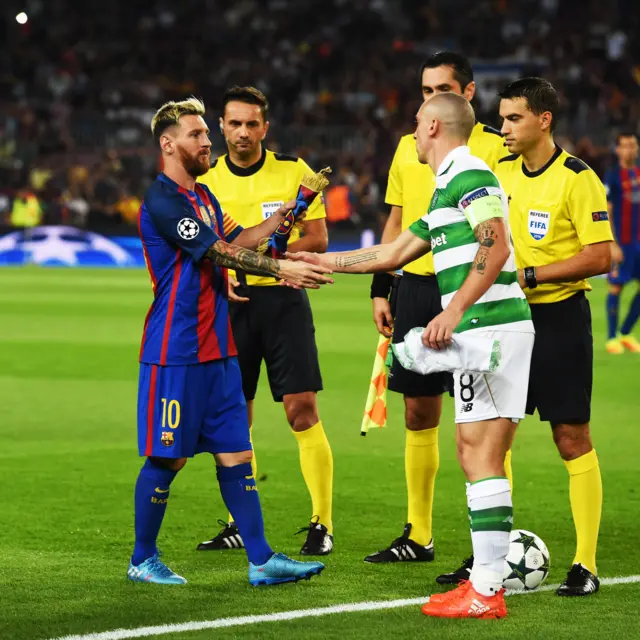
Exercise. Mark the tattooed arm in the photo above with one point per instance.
(494, 250)
(493, 237)
(295, 273)
(382, 257)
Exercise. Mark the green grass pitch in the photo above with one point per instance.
(69, 344)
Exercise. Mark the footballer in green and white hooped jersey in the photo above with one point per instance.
(467, 194)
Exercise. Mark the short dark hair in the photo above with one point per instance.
(539, 93)
(462, 71)
(625, 134)
(248, 95)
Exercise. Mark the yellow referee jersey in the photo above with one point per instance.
(412, 184)
(553, 213)
(253, 194)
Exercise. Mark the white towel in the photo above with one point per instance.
(472, 353)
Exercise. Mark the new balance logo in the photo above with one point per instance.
(468, 406)
(477, 608)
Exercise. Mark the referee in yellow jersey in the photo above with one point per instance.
(409, 191)
(270, 322)
(558, 218)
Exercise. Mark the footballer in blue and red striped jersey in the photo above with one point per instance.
(622, 183)
(187, 324)
(190, 396)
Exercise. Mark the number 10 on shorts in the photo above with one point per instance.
(170, 413)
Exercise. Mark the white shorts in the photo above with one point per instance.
(497, 395)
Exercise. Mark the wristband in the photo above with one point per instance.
(530, 277)
(381, 285)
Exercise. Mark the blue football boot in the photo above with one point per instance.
(279, 568)
(154, 570)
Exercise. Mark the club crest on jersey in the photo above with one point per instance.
(538, 223)
(204, 214)
(167, 438)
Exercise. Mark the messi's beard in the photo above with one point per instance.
(195, 165)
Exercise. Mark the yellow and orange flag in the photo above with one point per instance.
(375, 410)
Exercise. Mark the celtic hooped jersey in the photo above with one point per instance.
(468, 193)
(188, 321)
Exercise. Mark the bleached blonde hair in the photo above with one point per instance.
(169, 114)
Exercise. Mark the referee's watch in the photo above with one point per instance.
(530, 277)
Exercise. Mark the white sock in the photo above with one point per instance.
(491, 515)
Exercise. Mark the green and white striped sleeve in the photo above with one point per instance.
(479, 196)
(420, 228)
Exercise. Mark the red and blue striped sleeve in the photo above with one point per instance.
(175, 219)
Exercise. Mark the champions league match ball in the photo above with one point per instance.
(527, 563)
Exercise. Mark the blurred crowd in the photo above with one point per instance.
(78, 87)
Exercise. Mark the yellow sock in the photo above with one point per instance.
(254, 467)
(508, 471)
(421, 462)
(316, 462)
(585, 492)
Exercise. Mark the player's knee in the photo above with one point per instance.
(173, 464)
(233, 459)
(422, 413)
(572, 441)
(302, 412)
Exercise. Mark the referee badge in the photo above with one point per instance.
(538, 223)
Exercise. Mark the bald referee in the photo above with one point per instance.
(558, 218)
(253, 183)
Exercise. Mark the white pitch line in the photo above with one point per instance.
(184, 627)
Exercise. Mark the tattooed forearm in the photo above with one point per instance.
(234, 257)
(358, 258)
(486, 236)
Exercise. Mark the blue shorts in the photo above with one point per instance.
(629, 268)
(189, 409)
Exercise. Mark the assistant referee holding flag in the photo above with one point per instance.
(561, 233)
(271, 322)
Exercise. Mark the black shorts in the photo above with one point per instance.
(561, 374)
(276, 326)
(418, 302)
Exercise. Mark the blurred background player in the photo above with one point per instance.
(274, 323)
(410, 187)
(558, 218)
(622, 184)
(190, 390)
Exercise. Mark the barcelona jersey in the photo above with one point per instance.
(188, 322)
(623, 192)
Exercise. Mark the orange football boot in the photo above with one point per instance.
(466, 602)
(441, 597)
(630, 343)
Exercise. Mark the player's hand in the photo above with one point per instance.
(438, 333)
(382, 316)
(282, 211)
(233, 296)
(304, 275)
(617, 256)
(319, 259)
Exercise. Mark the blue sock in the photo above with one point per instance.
(240, 495)
(151, 496)
(632, 316)
(613, 302)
